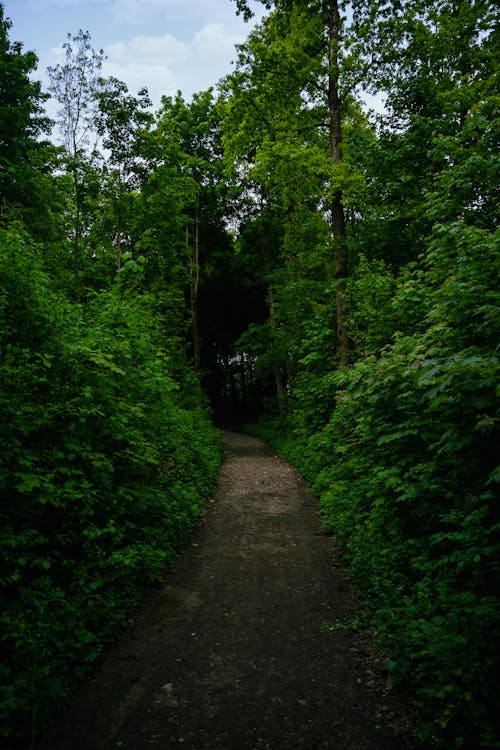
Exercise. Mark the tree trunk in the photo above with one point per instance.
(280, 390)
(195, 283)
(119, 230)
(76, 239)
(278, 373)
(337, 205)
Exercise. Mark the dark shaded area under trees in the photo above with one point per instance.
(270, 252)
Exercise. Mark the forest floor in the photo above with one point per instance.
(234, 651)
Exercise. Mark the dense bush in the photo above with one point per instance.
(406, 472)
(103, 471)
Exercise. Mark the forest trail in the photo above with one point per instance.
(232, 653)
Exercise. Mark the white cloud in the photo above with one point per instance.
(164, 64)
(151, 61)
(56, 55)
(214, 42)
(159, 80)
(213, 52)
(185, 45)
(158, 50)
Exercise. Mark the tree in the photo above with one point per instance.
(434, 63)
(76, 85)
(308, 58)
(190, 134)
(120, 121)
(25, 159)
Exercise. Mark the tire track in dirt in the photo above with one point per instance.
(232, 654)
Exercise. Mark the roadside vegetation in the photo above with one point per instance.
(273, 252)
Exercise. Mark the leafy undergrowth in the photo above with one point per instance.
(105, 462)
(405, 469)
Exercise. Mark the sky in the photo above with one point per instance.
(165, 45)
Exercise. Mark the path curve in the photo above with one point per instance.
(232, 653)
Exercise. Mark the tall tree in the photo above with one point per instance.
(76, 85)
(303, 72)
(308, 59)
(335, 110)
(24, 157)
(192, 134)
(120, 121)
(435, 63)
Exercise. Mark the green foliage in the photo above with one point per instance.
(106, 452)
(369, 294)
(401, 447)
(104, 468)
(406, 471)
(25, 159)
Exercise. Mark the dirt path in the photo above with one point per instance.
(232, 653)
